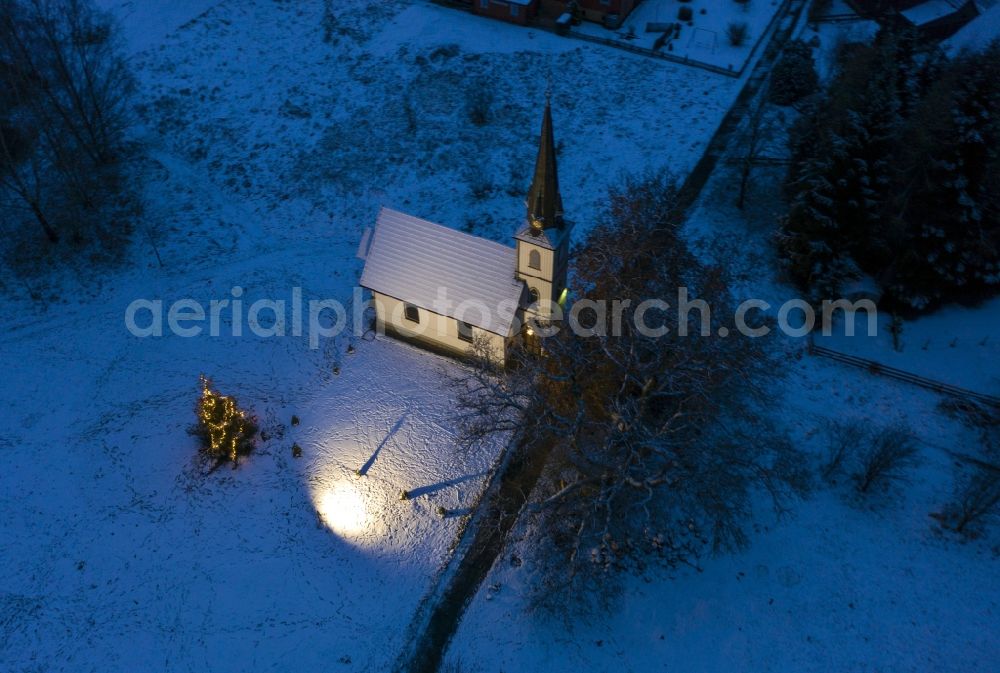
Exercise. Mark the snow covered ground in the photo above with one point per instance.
(957, 345)
(121, 553)
(269, 153)
(146, 23)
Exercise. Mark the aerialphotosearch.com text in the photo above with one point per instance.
(317, 319)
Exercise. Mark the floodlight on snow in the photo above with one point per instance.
(342, 508)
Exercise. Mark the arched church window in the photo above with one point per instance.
(534, 260)
(533, 295)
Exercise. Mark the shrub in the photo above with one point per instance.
(892, 451)
(478, 179)
(976, 497)
(794, 76)
(737, 32)
(844, 439)
(225, 430)
(479, 102)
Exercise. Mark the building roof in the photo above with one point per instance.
(927, 12)
(415, 261)
(976, 34)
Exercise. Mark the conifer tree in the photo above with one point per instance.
(226, 431)
(950, 199)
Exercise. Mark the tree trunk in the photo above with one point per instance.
(744, 179)
(50, 233)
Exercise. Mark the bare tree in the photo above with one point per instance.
(891, 453)
(656, 444)
(759, 132)
(66, 108)
(21, 175)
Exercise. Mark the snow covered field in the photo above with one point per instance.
(269, 153)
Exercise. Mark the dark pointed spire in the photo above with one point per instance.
(545, 209)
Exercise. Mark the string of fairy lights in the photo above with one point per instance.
(225, 423)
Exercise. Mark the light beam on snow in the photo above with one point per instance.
(342, 508)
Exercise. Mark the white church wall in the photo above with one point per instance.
(433, 329)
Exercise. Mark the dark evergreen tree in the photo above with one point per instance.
(842, 178)
(949, 199)
(794, 76)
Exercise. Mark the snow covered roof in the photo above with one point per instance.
(929, 11)
(976, 34)
(412, 259)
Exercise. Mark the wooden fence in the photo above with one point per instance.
(884, 370)
(841, 18)
(643, 51)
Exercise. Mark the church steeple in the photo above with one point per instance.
(543, 241)
(544, 203)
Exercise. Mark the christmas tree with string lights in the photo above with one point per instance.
(226, 431)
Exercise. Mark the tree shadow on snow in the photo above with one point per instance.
(426, 490)
(392, 431)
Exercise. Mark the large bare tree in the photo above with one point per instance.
(657, 445)
(65, 108)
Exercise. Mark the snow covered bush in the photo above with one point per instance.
(224, 429)
(794, 75)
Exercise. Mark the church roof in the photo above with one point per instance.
(414, 261)
(544, 200)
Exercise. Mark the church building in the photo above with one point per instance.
(444, 289)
